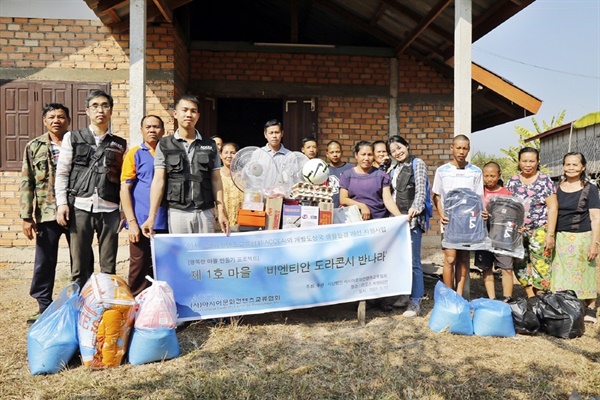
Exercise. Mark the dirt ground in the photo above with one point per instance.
(286, 354)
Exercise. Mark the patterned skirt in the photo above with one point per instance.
(571, 268)
(534, 268)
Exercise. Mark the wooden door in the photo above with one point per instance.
(21, 105)
(299, 121)
(19, 123)
(207, 124)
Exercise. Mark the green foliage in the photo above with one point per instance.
(507, 165)
(513, 151)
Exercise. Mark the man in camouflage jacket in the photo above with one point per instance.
(38, 204)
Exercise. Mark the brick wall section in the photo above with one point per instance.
(53, 43)
(427, 126)
(350, 120)
(84, 45)
(292, 68)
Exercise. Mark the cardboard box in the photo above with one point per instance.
(253, 206)
(255, 220)
(273, 209)
(325, 213)
(291, 217)
(325, 217)
(310, 216)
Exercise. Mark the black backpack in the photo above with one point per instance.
(506, 216)
(463, 208)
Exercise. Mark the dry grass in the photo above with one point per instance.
(317, 353)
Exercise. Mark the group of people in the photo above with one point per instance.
(84, 182)
(561, 232)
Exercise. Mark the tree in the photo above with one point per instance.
(507, 166)
(513, 151)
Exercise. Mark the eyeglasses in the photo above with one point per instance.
(96, 107)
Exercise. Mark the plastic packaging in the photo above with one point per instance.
(562, 314)
(450, 311)
(105, 320)
(492, 318)
(506, 217)
(154, 337)
(52, 339)
(466, 227)
(525, 315)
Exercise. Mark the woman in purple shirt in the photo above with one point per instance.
(366, 186)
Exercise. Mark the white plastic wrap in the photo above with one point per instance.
(506, 218)
(466, 227)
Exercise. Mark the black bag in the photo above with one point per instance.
(525, 315)
(562, 314)
(506, 216)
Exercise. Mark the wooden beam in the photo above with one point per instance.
(114, 16)
(425, 22)
(415, 17)
(505, 89)
(352, 18)
(105, 6)
(123, 26)
(378, 14)
(178, 3)
(164, 10)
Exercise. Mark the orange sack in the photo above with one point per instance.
(105, 320)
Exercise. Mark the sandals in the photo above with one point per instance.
(590, 316)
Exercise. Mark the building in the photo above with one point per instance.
(344, 70)
(582, 135)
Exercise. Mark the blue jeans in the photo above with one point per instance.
(418, 287)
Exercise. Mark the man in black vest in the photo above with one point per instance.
(186, 174)
(87, 188)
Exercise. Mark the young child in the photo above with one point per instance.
(309, 147)
(336, 168)
(486, 259)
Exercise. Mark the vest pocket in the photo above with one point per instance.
(113, 161)
(175, 191)
(174, 163)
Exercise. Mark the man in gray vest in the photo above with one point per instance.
(87, 188)
(186, 174)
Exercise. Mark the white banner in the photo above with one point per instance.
(216, 276)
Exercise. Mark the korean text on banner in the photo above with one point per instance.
(214, 276)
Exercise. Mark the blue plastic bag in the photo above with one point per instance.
(492, 318)
(149, 345)
(52, 339)
(450, 311)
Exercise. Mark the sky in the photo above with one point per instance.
(551, 50)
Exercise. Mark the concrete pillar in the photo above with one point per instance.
(393, 122)
(137, 69)
(463, 37)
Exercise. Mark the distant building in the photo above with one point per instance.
(582, 135)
